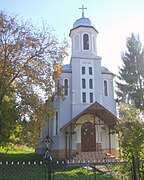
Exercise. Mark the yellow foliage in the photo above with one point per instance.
(6, 98)
(57, 69)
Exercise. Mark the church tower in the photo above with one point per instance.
(86, 65)
(83, 37)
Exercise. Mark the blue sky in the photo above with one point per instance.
(114, 19)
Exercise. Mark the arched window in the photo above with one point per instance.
(91, 84)
(76, 48)
(56, 132)
(55, 123)
(66, 87)
(83, 83)
(105, 88)
(85, 42)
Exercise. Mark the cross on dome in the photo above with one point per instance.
(83, 8)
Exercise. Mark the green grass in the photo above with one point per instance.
(18, 150)
(70, 173)
(22, 154)
(20, 157)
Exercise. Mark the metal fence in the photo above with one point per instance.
(22, 171)
(53, 170)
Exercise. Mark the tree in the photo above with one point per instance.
(28, 56)
(131, 137)
(10, 118)
(31, 129)
(130, 82)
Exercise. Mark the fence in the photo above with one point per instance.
(55, 170)
(22, 171)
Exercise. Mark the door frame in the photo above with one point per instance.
(88, 134)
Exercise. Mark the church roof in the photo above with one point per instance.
(98, 110)
(82, 22)
(66, 68)
(105, 70)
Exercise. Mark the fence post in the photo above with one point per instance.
(0, 167)
(94, 171)
(134, 168)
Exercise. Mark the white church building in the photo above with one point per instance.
(85, 120)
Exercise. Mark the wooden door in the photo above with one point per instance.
(88, 138)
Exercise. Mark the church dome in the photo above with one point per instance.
(105, 70)
(82, 22)
(66, 68)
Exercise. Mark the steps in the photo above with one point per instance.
(94, 156)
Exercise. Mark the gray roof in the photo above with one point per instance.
(82, 22)
(105, 70)
(66, 68)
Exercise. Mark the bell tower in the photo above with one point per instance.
(86, 65)
(83, 37)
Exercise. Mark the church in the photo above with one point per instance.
(84, 122)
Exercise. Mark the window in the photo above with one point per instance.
(83, 70)
(90, 70)
(55, 124)
(91, 84)
(91, 97)
(66, 87)
(83, 83)
(101, 136)
(105, 88)
(85, 42)
(84, 97)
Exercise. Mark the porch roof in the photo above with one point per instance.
(97, 110)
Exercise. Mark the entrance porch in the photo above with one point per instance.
(91, 132)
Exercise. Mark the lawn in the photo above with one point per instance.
(21, 154)
(40, 171)
(70, 173)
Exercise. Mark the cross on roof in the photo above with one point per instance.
(83, 8)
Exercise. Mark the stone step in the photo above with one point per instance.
(93, 156)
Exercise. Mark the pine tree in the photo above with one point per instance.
(131, 74)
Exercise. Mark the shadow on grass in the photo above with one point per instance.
(20, 157)
(70, 173)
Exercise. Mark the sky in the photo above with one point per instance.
(115, 20)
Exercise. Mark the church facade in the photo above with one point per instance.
(84, 120)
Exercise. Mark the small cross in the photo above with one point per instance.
(83, 8)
